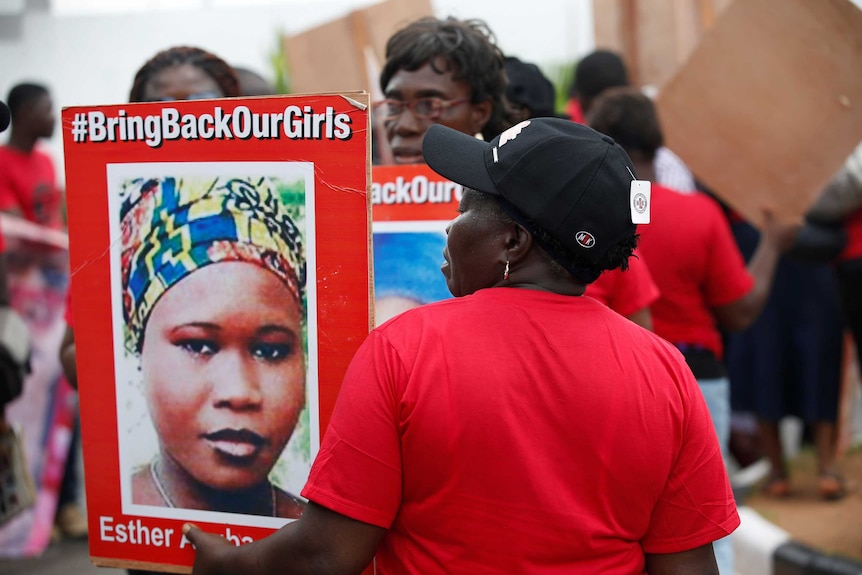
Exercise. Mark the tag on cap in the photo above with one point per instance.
(639, 201)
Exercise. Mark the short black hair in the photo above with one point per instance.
(216, 68)
(596, 72)
(24, 94)
(563, 262)
(530, 88)
(470, 52)
(629, 117)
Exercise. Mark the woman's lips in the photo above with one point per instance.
(445, 268)
(236, 443)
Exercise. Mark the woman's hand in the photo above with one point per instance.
(212, 552)
(779, 233)
(321, 541)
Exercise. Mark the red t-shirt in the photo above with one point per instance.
(625, 292)
(573, 110)
(27, 183)
(696, 264)
(853, 225)
(520, 431)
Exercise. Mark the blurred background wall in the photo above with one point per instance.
(87, 51)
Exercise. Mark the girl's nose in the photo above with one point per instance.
(235, 381)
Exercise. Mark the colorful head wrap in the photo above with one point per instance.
(174, 226)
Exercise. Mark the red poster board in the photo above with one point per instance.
(411, 207)
(282, 171)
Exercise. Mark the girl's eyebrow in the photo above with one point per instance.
(198, 324)
(275, 328)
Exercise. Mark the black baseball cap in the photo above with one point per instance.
(571, 181)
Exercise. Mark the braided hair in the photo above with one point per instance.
(563, 262)
(216, 68)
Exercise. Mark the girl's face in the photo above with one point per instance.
(223, 368)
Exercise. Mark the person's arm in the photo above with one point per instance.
(642, 317)
(321, 541)
(67, 357)
(698, 561)
(775, 239)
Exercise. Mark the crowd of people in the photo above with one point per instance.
(570, 408)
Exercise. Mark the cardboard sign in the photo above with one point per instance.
(220, 260)
(37, 274)
(769, 105)
(411, 207)
(346, 53)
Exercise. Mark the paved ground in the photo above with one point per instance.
(63, 558)
(834, 527)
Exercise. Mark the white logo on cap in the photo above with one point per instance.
(639, 196)
(585, 239)
(508, 136)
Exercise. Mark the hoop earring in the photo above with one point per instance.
(506, 271)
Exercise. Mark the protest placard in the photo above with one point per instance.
(411, 207)
(767, 108)
(220, 260)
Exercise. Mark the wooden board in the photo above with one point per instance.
(769, 105)
(332, 56)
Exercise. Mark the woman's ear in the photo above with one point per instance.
(479, 115)
(518, 243)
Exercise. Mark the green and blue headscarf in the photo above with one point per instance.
(172, 227)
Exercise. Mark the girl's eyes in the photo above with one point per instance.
(272, 351)
(198, 347)
(260, 350)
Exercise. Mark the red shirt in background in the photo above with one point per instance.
(625, 292)
(28, 184)
(696, 264)
(573, 110)
(853, 225)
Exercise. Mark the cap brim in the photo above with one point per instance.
(458, 157)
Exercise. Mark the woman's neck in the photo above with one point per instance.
(536, 272)
(21, 141)
(560, 287)
(179, 489)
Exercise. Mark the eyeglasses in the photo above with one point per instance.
(426, 108)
